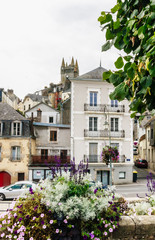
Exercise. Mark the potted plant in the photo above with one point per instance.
(109, 153)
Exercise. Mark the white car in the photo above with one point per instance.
(15, 190)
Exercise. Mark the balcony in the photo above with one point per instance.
(52, 160)
(97, 159)
(104, 134)
(104, 108)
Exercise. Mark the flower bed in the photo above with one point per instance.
(68, 207)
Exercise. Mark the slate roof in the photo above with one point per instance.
(95, 74)
(35, 97)
(9, 113)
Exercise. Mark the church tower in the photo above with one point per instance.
(70, 71)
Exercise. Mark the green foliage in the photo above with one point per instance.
(130, 27)
(76, 189)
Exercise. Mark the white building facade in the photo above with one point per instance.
(98, 121)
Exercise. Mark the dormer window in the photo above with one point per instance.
(16, 128)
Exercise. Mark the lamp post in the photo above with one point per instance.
(108, 124)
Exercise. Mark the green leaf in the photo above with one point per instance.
(128, 58)
(119, 63)
(116, 24)
(119, 92)
(134, 13)
(127, 66)
(141, 14)
(131, 73)
(106, 46)
(109, 35)
(141, 32)
(106, 75)
(115, 8)
(130, 24)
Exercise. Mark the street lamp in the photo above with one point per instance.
(108, 126)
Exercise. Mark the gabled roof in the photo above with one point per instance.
(95, 74)
(29, 110)
(34, 97)
(9, 113)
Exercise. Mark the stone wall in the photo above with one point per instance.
(135, 227)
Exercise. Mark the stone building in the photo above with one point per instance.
(16, 145)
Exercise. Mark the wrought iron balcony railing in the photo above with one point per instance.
(97, 159)
(104, 133)
(49, 160)
(104, 108)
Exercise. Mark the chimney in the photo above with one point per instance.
(39, 113)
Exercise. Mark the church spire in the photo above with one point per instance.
(63, 63)
(72, 62)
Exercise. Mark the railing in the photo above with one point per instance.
(97, 159)
(92, 158)
(104, 108)
(49, 159)
(104, 133)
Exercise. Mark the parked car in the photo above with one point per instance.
(141, 163)
(15, 190)
(135, 151)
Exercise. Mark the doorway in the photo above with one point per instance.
(103, 176)
(5, 179)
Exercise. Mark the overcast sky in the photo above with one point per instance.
(36, 34)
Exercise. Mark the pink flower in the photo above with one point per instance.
(42, 215)
(57, 230)
(44, 226)
(65, 221)
(105, 233)
(51, 221)
(110, 230)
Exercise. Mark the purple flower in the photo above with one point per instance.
(42, 222)
(31, 190)
(95, 191)
(20, 206)
(35, 207)
(27, 216)
(20, 219)
(85, 237)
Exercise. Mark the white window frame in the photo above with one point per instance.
(114, 125)
(114, 103)
(122, 175)
(94, 98)
(17, 152)
(93, 123)
(16, 131)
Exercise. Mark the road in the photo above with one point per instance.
(139, 187)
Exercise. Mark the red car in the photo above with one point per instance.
(141, 163)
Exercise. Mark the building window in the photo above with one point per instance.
(93, 98)
(1, 126)
(21, 176)
(148, 135)
(15, 153)
(114, 124)
(53, 136)
(29, 106)
(113, 145)
(122, 175)
(50, 119)
(44, 154)
(114, 103)
(151, 133)
(16, 128)
(92, 123)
